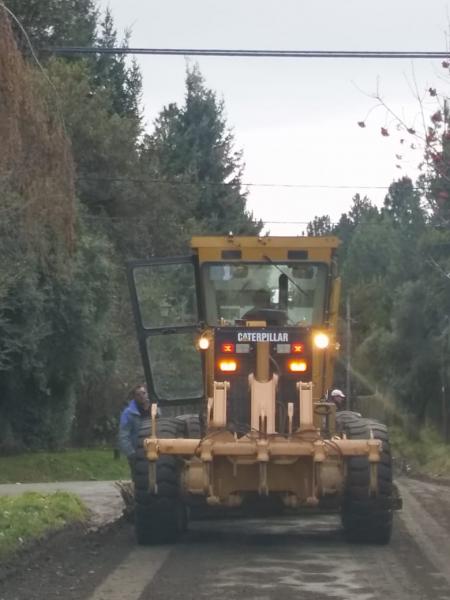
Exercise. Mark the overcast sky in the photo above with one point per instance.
(296, 119)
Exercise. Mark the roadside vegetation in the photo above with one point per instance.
(423, 454)
(31, 516)
(68, 465)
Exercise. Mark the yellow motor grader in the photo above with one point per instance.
(238, 341)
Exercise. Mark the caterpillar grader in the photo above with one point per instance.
(238, 341)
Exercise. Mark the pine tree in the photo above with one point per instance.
(193, 146)
(111, 71)
(320, 226)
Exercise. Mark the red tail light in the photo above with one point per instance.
(298, 348)
(227, 347)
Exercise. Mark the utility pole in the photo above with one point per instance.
(348, 350)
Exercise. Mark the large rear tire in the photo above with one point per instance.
(367, 518)
(160, 517)
(192, 427)
(345, 416)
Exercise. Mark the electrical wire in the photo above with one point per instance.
(228, 184)
(106, 218)
(242, 53)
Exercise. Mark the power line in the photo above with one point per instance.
(112, 219)
(249, 53)
(226, 184)
(285, 222)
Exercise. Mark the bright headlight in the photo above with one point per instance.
(321, 340)
(203, 343)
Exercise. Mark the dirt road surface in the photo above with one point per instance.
(281, 558)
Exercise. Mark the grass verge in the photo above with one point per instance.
(427, 454)
(31, 515)
(70, 465)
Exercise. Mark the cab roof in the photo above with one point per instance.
(251, 248)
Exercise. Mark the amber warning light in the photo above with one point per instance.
(297, 366)
(228, 365)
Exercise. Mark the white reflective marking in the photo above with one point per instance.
(133, 575)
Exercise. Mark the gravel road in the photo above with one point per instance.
(281, 558)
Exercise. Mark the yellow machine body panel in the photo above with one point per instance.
(210, 248)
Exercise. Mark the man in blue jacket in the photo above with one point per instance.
(130, 422)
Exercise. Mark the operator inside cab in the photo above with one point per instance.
(263, 311)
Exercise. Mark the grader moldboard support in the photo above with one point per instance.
(238, 342)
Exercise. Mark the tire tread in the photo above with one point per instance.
(367, 519)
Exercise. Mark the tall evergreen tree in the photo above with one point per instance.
(403, 205)
(193, 146)
(320, 226)
(111, 71)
